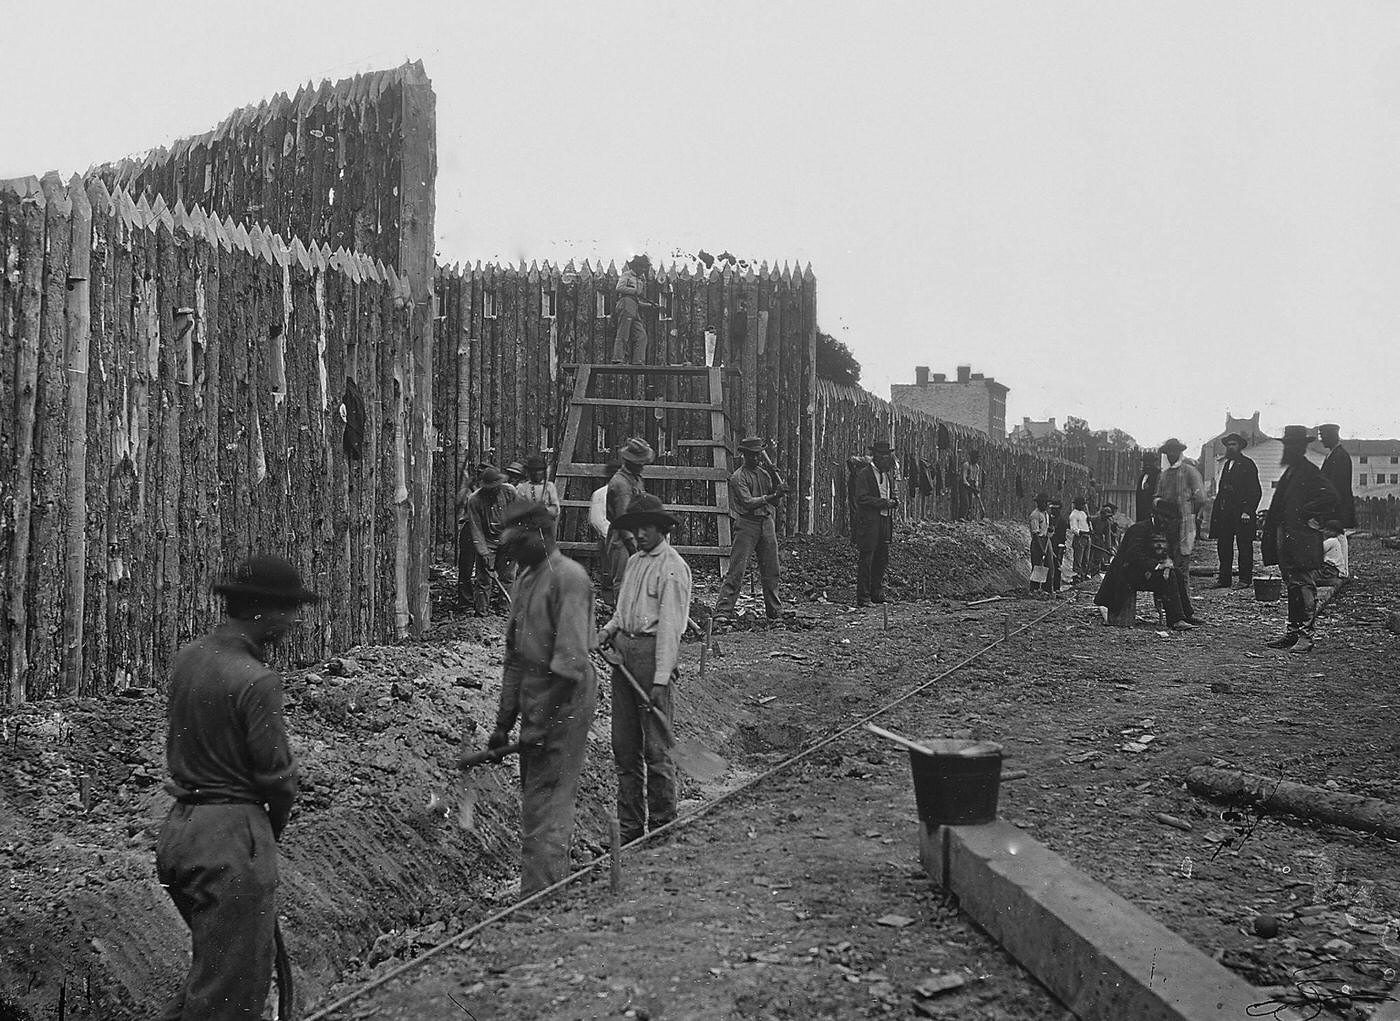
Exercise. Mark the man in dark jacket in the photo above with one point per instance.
(1237, 496)
(486, 510)
(1147, 483)
(234, 780)
(1293, 535)
(1143, 562)
(872, 497)
(1336, 469)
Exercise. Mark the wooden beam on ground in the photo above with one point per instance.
(1353, 811)
(1102, 957)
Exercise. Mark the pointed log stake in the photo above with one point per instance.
(615, 855)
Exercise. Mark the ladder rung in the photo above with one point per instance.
(674, 508)
(653, 471)
(694, 551)
(644, 405)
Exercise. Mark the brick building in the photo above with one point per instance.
(973, 400)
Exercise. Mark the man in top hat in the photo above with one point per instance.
(234, 781)
(1292, 538)
(646, 629)
(624, 487)
(873, 496)
(753, 494)
(631, 339)
(486, 511)
(536, 488)
(1147, 484)
(549, 685)
(1336, 469)
(1181, 484)
(1237, 495)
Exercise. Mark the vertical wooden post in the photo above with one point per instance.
(615, 855)
(30, 299)
(78, 321)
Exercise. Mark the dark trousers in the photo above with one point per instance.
(1167, 592)
(630, 344)
(614, 567)
(1225, 545)
(219, 865)
(488, 594)
(646, 777)
(1302, 596)
(1081, 554)
(556, 713)
(870, 571)
(750, 535)
(466, 563)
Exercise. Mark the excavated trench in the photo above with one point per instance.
(376, 864)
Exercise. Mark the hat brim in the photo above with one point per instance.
(630, 522)
(296, 597)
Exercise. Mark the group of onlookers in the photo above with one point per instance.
(1303, 531)
(1069, 548)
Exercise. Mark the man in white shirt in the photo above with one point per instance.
(652, 609)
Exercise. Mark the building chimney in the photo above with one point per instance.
(1052, 423)
(977, 375)
(940, 377)
(921, 375)
(1026, 422)
(964, 373)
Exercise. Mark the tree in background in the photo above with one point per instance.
(836, 362)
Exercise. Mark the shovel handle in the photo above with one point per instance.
(470, 759)
(646, 699)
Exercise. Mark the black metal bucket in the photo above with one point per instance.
(958, 784)
(1268, 590)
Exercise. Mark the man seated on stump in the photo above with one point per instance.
(1144, 563)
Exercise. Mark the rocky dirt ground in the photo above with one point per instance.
(800, 898)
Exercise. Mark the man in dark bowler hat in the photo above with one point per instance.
(1237, 496)
(625, 486)
(873, 498)
(1292, 537)
(1147, 483)
(1336, 469)
(234, 780)
(753, 494)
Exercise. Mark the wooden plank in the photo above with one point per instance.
(78, 327)
(98, 467)
(48, 527)
(29, 319)
(653, 471)
(10, 236)
(591, 549)
(651, 370)
(678, 508)
(604, 402)
(720, 454)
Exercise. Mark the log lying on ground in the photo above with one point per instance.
(1349, 810)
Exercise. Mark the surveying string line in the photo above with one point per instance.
(467, 934)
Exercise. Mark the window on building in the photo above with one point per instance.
(1395, 480)
(1364, 459)
(548, 298)
(604, 304)
(600, 441)
(664, 302)
(546, 439)
(488, 304)
(1361, 479)
(1395, 460)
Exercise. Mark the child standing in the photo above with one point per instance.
(1041, 552)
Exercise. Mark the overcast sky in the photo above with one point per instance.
(1142, 214)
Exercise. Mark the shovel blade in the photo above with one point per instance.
(694, 759)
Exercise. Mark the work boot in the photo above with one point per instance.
(1303, 644)
(1183, 625)
(1286, 641)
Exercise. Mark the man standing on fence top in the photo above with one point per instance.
(872, 496)
(624, 487)
(631, 340)
(234, 780)
(753, 494)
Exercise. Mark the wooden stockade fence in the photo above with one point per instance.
(180, 387)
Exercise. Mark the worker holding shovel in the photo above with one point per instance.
(549, 685)
(645, 632)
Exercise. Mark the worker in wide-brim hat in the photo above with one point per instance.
(1181, 484)
(549, 685)
(1233, 514)
(486, 511)
(234, 779)
(755, 492)
(653, 606)
(624, 487)
(630, 341)
(872, 528)
(536, 486)
(1302, 501)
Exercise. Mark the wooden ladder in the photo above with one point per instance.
(613, 414)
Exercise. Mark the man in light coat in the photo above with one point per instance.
(1181, 484)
